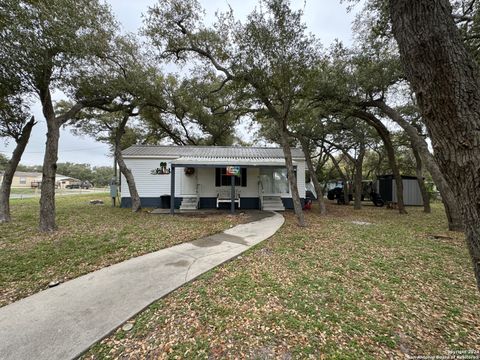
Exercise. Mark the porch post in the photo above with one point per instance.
(172, 189)
(232, 195)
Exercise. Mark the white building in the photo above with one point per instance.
(198, 176)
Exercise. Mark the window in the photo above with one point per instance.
(23, 180)
(222, 179)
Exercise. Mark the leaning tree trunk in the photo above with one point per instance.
(292, 179)
(357, 205)
(446, 80)
(421, 181)
(387, 141)
(136, 204)
(313, 176)
(22, 142)
(454, 217)
(120, 131)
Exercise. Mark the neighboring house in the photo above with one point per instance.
(25, 179)
(63, 181)
(200, 176)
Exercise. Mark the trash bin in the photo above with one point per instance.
(165, 201)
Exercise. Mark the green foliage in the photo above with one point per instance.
(97, 175)
(194, 111)
(270, 57)
(52, 43)
(3, 162)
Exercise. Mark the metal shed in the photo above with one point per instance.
(411, 190)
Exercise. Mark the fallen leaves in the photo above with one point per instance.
(332, 290)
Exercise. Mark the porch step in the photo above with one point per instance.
(189, 203)
(272, 203)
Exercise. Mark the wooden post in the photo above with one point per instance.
(232, 195)
(172, 189)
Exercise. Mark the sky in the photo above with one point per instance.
(326, 19)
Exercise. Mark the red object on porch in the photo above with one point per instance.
(308, 205)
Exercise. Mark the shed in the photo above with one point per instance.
(387, 188)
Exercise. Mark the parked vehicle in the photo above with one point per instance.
(376, 199)
(80, 185)
(368, 191)
(338, 194)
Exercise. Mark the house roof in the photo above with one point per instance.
(210, 152)
(27, 173)
(59, 177)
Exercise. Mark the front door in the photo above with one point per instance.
(189, 181)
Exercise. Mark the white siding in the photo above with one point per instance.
(149, 185)
(301, 167)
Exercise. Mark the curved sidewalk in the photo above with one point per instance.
(63, 322)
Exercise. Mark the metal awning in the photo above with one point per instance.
(193, 161)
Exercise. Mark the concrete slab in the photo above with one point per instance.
(64, 321)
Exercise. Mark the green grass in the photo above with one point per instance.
(334, 290)
(89, 237)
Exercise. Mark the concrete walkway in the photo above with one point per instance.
(64, 321)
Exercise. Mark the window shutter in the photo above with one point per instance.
(217, 177)
(243, 173)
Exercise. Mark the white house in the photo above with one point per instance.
(198, 176)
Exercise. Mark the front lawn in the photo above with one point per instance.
(89, 237)
(335, 290)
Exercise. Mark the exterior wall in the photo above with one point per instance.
(16, 183)
(411, 192)
(148, 185)
(151, 187)
(301, 168)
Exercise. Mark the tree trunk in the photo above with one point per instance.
(136, 204)
(446, 81)
(387, 141)
(120, 131)
(455, 221)
(421, 181)
(357, 205)
(47, 196)
(292, 179)
(346, 192)
(22, 142)
(313, 176)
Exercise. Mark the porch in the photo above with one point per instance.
(205, 184)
